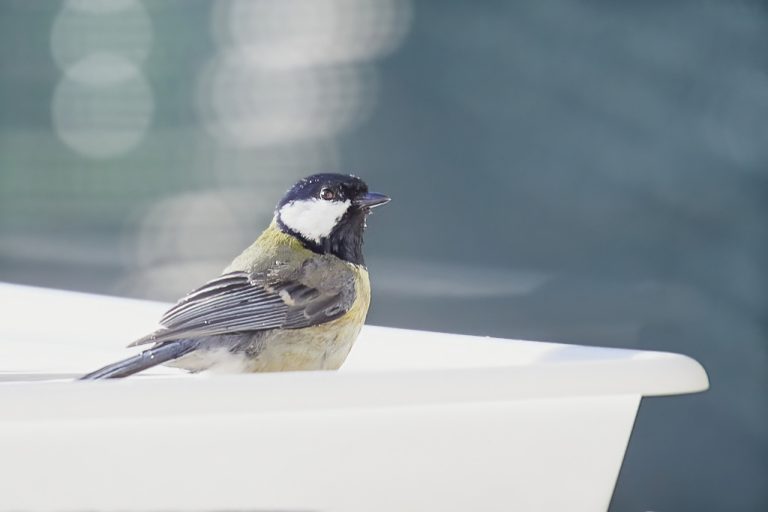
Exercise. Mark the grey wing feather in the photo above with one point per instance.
(227, 295)
(239, 301)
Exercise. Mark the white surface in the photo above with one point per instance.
(413, 421)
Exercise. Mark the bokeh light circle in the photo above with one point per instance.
(244, 104)
(293, 33)
(85, 27)
(102, 107)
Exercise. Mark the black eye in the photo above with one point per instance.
(328, 194)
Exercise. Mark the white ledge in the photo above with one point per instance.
(413, 420)
(392, 366)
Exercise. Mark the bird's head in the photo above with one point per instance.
(327, 213)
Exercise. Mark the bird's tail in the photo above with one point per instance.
(146, 359)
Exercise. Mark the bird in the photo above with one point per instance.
(296, 299)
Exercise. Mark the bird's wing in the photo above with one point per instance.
(240, 301)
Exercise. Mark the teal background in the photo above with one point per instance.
(579, 171)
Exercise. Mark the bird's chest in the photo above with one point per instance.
(310, 349)
(321, 347)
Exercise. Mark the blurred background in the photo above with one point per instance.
(581, 171)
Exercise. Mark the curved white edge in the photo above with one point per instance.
(296, 392)
(387, 368)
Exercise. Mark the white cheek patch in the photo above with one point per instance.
(313, 218)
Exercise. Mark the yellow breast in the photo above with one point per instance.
(320, 347)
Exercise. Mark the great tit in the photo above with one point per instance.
(296, 299)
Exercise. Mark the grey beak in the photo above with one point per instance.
(372, 200)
